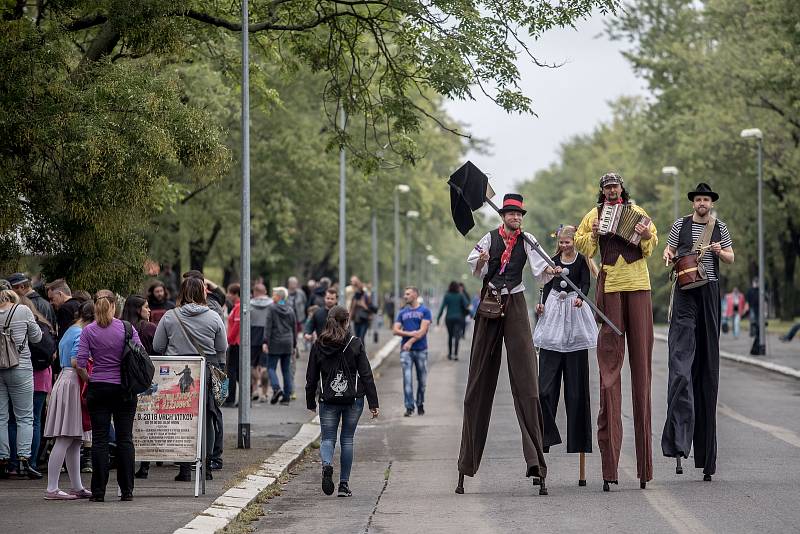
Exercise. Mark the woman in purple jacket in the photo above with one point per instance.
(104, 342)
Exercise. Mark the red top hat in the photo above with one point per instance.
(512, 202)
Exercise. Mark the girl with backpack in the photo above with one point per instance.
(104, 342)
(17, 328)
(339, 362)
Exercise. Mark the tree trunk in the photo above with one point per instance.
(200, 248)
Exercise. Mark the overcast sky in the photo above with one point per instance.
(569, 100)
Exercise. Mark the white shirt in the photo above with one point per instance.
(537, 263)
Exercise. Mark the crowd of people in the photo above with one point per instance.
(62, 403)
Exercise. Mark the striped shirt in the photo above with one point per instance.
(697, 230)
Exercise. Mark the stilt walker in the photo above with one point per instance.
(498, 259)
(702, 240)
(564, 333)
(624, 236)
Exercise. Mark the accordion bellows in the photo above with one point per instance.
(621, 220)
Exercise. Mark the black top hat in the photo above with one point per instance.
(512, 202)
(703, 189)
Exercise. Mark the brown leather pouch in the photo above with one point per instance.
(491, 306)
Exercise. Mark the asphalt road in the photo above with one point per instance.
(405, 469)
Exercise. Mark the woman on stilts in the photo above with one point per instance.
(564, 333)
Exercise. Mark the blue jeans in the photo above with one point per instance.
(360, 329)
(16, 393)
(39, 397)
(329, 416)
(286, 370)
(419, 359)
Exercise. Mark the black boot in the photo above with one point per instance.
(144, 469)
(460, 487)
(185, 473)
(26, 470)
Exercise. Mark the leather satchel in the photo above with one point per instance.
(491, 306)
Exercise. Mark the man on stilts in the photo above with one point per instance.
(499, 259)
(694, 337)
(623, 294)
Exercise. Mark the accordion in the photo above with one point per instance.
(621, 220)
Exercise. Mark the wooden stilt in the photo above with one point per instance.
(582, 479)
(678, 466)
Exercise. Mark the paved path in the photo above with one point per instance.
(755, 488)
(160, 503)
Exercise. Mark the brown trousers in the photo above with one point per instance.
(484, 368)
(632, 312)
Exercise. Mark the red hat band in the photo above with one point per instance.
(512, 203)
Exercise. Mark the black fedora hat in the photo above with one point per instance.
(512, 202)
(703, 189)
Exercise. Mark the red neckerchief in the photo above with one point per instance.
(618, 201)
(510, 240)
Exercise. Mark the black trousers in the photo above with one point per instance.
(454, 333)
(693, 377)
(107, 401)
(574, 368)
(232, 369)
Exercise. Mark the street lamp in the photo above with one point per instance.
(399, 188)
(673, 171)
(410, 215)
(762, 346)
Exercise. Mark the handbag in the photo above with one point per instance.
(9, 350)
(689, 271)
(342, 389)
(219, 380)
(491, 305)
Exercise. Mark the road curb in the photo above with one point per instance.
(228, 505)
(748, 360)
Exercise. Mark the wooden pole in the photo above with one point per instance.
(582, 479)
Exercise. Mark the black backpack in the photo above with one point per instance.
(42, 352)
(136, 370)
(341, 385)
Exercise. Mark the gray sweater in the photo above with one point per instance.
(203, 324)
(22, 326)
(279, 330)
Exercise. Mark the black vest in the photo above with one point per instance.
(685, 241)
(512, 276)
(613, 246)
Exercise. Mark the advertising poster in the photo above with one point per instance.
(168, 419)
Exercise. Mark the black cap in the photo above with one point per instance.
(17, 279)
(703, 189)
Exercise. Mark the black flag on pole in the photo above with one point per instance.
(469, 189)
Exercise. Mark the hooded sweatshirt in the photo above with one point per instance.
(323, 363)
(203, 324)
(279, 329)
(258, 319)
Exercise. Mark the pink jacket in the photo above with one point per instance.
(729, 302)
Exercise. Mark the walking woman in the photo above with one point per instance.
(339, 361)
(65, 415)
(457, 306)
(17, 328)
(103, 341)
(564, 334)
(194, 328)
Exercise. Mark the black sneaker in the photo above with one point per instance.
(344, 490)
(276, 396)
(420, 410)
(285, 401)
(409, 413)
(215, 465)
(327, 479)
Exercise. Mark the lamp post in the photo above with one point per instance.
(410, 215)
(243, 427)
(673, 171)
(399, 188)
(342, 212)
(762, 335)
